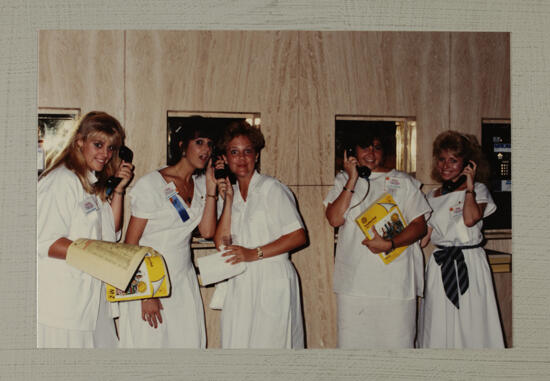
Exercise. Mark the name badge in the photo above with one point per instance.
(392, 183)
(171, 195)
(170, 190)
(456, 210)
(89, 205)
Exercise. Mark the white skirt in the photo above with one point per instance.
(476, 324)
(381, 323)
(182, 318)
(262, 307)
(104, 335)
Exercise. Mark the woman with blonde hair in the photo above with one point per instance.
(459, 307)
(72, 203)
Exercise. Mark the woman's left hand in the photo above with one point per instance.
(224, 187)
(377, 244)
(470, 172)
(238, 254)
(125, 172)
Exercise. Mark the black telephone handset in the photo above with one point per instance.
(450, 185)
(126, 154)
(363, 171)
(219, 173)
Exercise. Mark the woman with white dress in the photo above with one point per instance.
(459, 308)
(72, 203)
(167, 205)
(262, 306)
(376, 301)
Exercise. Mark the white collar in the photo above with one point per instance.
(253, 181)
(375, 175)
(90, 175)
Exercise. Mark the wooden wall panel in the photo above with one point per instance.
(316, 121)
(82, 69)
(503, 292)
(214, 72)
(212, 317)
(146, 96)
(368, 74)
(315, 266)
(480, 79)
(433, 94)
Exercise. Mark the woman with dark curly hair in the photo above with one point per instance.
(376, 301)
(459, 307)
(262, 307)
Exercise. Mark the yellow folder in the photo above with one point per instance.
(385, 216)
(150, 281)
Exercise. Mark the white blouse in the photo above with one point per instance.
(261, 220)
(447, 221)
(357, 270)
(165, 231)
(67, 297)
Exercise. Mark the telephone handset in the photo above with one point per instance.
(126, 154)
(449, 186)
(219, 173)
(363, 171)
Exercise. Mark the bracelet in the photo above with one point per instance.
(120, 193)
(472, 192)
(260, 252)
(349, 190)
(212, 195)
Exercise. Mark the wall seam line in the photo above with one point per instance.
(124, 79)
(449, 100)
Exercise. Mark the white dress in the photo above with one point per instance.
(373, 296)
(72, 311)
(182, 314)
(262, 305)
(476, 323)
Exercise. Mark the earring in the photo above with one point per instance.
(182, 153)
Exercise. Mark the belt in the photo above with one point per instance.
(453, 279)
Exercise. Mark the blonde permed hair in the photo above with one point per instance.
(464, 146)
(93, 124)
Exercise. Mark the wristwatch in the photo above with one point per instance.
(260, 252)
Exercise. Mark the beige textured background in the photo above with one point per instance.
(530, 61)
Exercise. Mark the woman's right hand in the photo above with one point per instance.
(350, 166)
(126, 172)
(150, 311)
(210, 179)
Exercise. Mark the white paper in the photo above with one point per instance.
(214, 268)
(218, 297)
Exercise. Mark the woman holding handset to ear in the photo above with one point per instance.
(459, 307)
(262, 307)
(72, 203)
(376, 301)
(167, 204)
